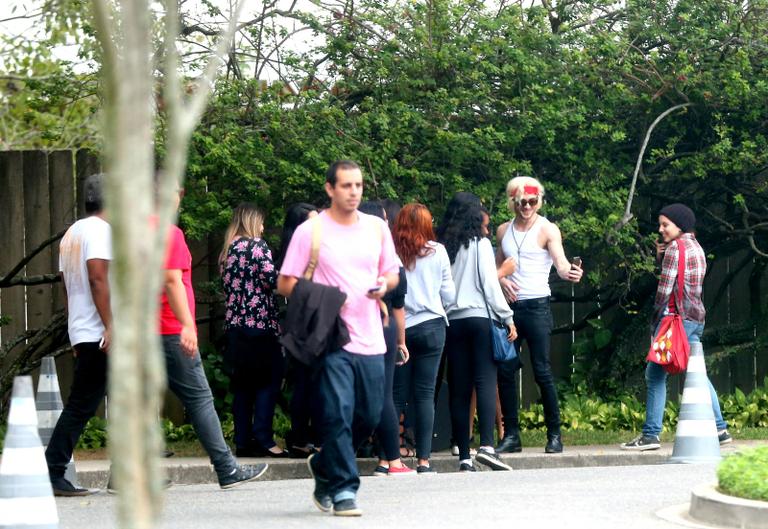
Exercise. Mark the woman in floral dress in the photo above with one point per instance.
(251, 326)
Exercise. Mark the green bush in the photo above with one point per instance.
(95, 434)
(742, 410)
(745, 474)
(580, 410)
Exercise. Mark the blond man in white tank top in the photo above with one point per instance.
(536, 245)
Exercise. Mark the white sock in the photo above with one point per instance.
(488, 449)
(466, 461)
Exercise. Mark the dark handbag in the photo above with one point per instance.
(503, 349)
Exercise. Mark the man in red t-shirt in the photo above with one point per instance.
(184, 366)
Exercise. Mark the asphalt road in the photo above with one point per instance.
(602, 497)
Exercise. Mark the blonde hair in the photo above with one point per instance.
(515, 189)
(247, 221)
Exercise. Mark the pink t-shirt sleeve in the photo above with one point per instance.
(298, 253)
(176, 257)
(388, 263)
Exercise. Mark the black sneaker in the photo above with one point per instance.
(724, 437)
(243, 474)
(347, 508)
(467, 467)
(510, 444)
(319, 495)
(643, 442)
(491, 460)
(63, 487)
(554, 444)
(425, 469)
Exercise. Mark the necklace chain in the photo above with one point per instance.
(520, 245)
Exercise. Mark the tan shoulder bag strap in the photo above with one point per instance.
(382, 305)
(315, 251)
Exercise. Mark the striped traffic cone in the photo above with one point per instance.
(49, 407)
(26, 496)
(696, 438)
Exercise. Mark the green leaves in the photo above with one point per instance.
(745, 474)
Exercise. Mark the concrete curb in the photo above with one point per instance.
(197, 470)
(712, 507)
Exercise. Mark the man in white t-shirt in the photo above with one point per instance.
(357, 256)
(84, 255)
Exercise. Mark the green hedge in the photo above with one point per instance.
(745, 474)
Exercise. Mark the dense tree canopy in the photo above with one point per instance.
(444, 95)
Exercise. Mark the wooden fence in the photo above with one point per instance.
(39, 197)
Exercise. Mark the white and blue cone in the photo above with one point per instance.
(26, 496)
(696, 437)
(49, 407)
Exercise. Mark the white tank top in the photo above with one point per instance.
(533, 262)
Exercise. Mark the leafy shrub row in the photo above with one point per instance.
(745, 474)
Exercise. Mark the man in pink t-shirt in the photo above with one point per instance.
(186, 377)
(357, 256)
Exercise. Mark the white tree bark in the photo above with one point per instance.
(140, 217)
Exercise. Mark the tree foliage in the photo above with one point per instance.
(438, 96)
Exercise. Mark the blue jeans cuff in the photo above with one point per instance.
(344, 495)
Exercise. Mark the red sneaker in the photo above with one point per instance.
(401, 471)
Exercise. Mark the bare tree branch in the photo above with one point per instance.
(44, 279)
(21, 264)
(628, 210)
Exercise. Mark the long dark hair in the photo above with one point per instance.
(462, 222)
(294, 215)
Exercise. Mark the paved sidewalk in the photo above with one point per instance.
(197, 470)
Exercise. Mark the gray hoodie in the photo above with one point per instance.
(470, 300)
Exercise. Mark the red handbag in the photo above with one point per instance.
(670, 348)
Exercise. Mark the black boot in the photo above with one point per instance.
(554, 444)
(510, 443)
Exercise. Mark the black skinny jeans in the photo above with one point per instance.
(470, 363)
(88, 389)
(417, 377)
(388, 430)
(533, 319)
(257, 372)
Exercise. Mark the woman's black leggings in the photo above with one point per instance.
(470, 364)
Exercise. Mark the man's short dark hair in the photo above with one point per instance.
(93, 193)
(330, 174)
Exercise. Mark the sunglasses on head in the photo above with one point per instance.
(530, 202)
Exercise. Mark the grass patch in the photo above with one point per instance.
(745, 474)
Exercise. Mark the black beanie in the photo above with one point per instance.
(681, 215)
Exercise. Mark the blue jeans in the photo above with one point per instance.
(351, 388)
(186, 379)
(656, 381)
(533, 319)
(418, 376)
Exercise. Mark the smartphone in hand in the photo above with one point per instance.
(400, 356)
(576, 261)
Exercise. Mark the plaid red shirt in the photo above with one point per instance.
(695, 269)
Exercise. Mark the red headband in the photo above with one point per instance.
(530, 190)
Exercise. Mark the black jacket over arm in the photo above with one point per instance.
(312, 323)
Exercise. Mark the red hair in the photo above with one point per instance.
(413, 229)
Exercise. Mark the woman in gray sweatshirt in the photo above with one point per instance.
(468, 341)
(430, 288)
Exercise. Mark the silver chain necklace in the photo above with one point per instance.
(520, 245)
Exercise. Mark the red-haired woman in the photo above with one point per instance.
(430, 288)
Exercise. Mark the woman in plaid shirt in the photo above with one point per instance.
(676, 222)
